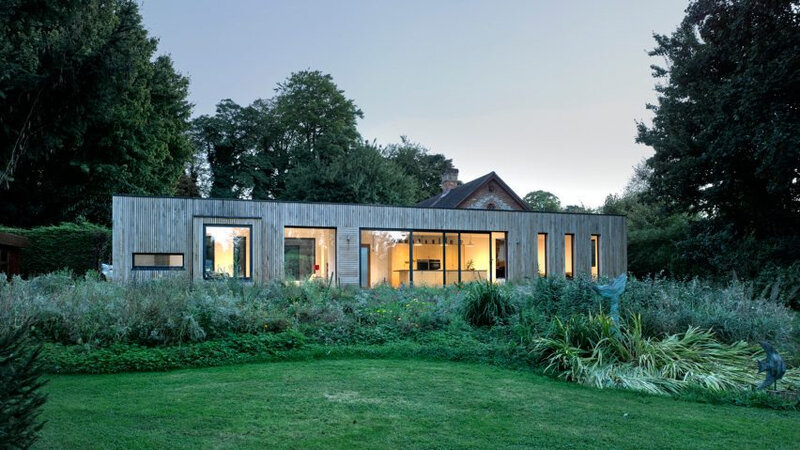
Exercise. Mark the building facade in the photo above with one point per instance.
(362, 245)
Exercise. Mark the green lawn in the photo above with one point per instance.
(385, 404)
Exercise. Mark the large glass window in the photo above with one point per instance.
(428, 253)
(158, 261)
(451, 257)
(475, 257)
(387, 258)
(595, 255)
(431, 258)
(541, 254)
(227, 251)
(309, 254)
(569, 253)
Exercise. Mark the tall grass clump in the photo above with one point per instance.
(735, 312)
(487, 304)
(589, 349)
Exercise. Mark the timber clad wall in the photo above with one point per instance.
(174, 225)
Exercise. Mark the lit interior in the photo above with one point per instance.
(569, 249)
(595, 256)
(309, 254)
(384, 257)
(541, 254)
(227, 252)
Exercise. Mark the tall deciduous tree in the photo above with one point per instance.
(418, 163)
(542, 201)
(86, 110)
(726, 131)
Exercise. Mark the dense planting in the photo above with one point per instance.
(675, 336)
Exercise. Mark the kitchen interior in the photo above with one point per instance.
(431, 258)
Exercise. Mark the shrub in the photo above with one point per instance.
(21, 398)
(590, 349)
(77, 248)
(486, 304)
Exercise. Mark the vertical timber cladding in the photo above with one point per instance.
(170, 225)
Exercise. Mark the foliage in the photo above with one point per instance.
(87, 110)
(417, 163)
(303, 144)
(590, 349)
(542, 201)
(725, 130)
(361, 175)
(487, 304)
(232, 349)
(21, 398)
(75, 247)
(781, 284)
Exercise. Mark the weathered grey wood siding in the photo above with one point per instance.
(170, 225)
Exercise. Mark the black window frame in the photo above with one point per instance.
(135, 267)
(410, 231)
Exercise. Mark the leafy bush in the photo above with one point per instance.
(134, 358)
(781, 284)
(21, 398)
(77, 248)
(486, 304)
(590, 349)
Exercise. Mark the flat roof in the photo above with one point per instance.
(365, 204)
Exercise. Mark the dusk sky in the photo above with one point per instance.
(544, 93)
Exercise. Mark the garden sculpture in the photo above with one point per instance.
(774, 366)
(612, 291)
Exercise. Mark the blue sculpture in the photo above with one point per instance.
(613, 291)
(774, 366)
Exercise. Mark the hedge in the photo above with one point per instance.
(77, 247)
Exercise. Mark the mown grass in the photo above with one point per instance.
(367, 403)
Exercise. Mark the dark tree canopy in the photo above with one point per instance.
(419, 164)
(542, 201)
(86, 110)
(726, 131)
(303, 144)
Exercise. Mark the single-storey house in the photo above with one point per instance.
(478, 231)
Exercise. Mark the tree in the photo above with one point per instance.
(542, 201)
(21, 397)
(228, 141)
(87, 110)
(416, 161)
(726, 131)
(655, 238)
(311, 123)
(361, 175)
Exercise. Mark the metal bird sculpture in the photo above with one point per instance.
(774, 366)
(613, 291)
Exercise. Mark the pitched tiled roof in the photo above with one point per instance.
(454, 197)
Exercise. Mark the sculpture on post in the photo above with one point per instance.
(774, 366)
(613, 291)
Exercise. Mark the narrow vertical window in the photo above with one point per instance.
(569, 253)
(595, 256)
(541, 254)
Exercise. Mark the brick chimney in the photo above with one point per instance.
(449, 179)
